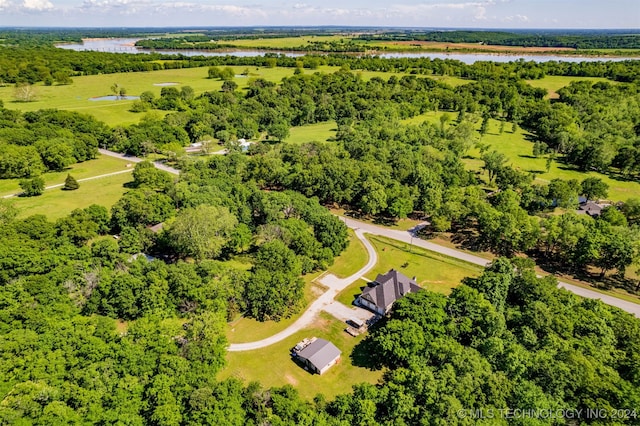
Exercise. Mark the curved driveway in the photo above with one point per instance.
(405, 236)
(335, 285)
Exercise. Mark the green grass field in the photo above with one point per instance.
(352, 259)
(553, 83)
(273, 366)
(433, 271)
(75, 96)
(56, 203)
(282, 42)
(519, 152)
(319, 132)
(100, 166)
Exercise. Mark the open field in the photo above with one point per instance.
(282, 42)
(56, 203)
(519, 152)
(433, 271)
(437, 45)
(273, 366)
(553, 83)
(100, 166)
(75, 96)
(319, 132)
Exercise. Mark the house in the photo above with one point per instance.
(386, 289)
(318, 355)
(591, 208)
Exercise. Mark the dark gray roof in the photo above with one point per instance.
(320, 352)
(591, 208)
(391, 287)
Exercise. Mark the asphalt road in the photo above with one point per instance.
(407, 237)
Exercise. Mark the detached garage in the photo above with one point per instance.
(319, 355)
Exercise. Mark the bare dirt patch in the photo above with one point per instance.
(290, 379)
(476, 46)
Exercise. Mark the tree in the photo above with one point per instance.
(593, 188)
(229, 86)
(25, 93)
(32, 187)
(202, 232)
(70, 183)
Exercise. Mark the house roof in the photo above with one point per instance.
(320, 353)
(391, 286)
(591, 208)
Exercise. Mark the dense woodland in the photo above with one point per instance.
(93, 332)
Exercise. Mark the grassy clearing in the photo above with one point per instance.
(282, 42)
(518, 148)
(100, 166)
(352, 259)
(273, 366)
(319, 132)
(433, 271)
(553, 83)
(75, 96)
(56, 203)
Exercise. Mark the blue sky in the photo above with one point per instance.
(425, 13)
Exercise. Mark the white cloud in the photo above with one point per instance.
(37, 5)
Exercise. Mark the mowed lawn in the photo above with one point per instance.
(56, 203)
(433, 271)
(100, 166)
(273, 365)
(319, 132)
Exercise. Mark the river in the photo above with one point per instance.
(127, 45)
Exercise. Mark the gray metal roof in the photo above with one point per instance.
(320, 353)
(391, 286)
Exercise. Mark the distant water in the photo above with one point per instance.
(127, 45)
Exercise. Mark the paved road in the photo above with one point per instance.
(406, 236)
(132, 159)
(334, 284)
(79, 180)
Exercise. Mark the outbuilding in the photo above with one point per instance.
(319, 355)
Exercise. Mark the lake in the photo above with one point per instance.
(127, 45)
